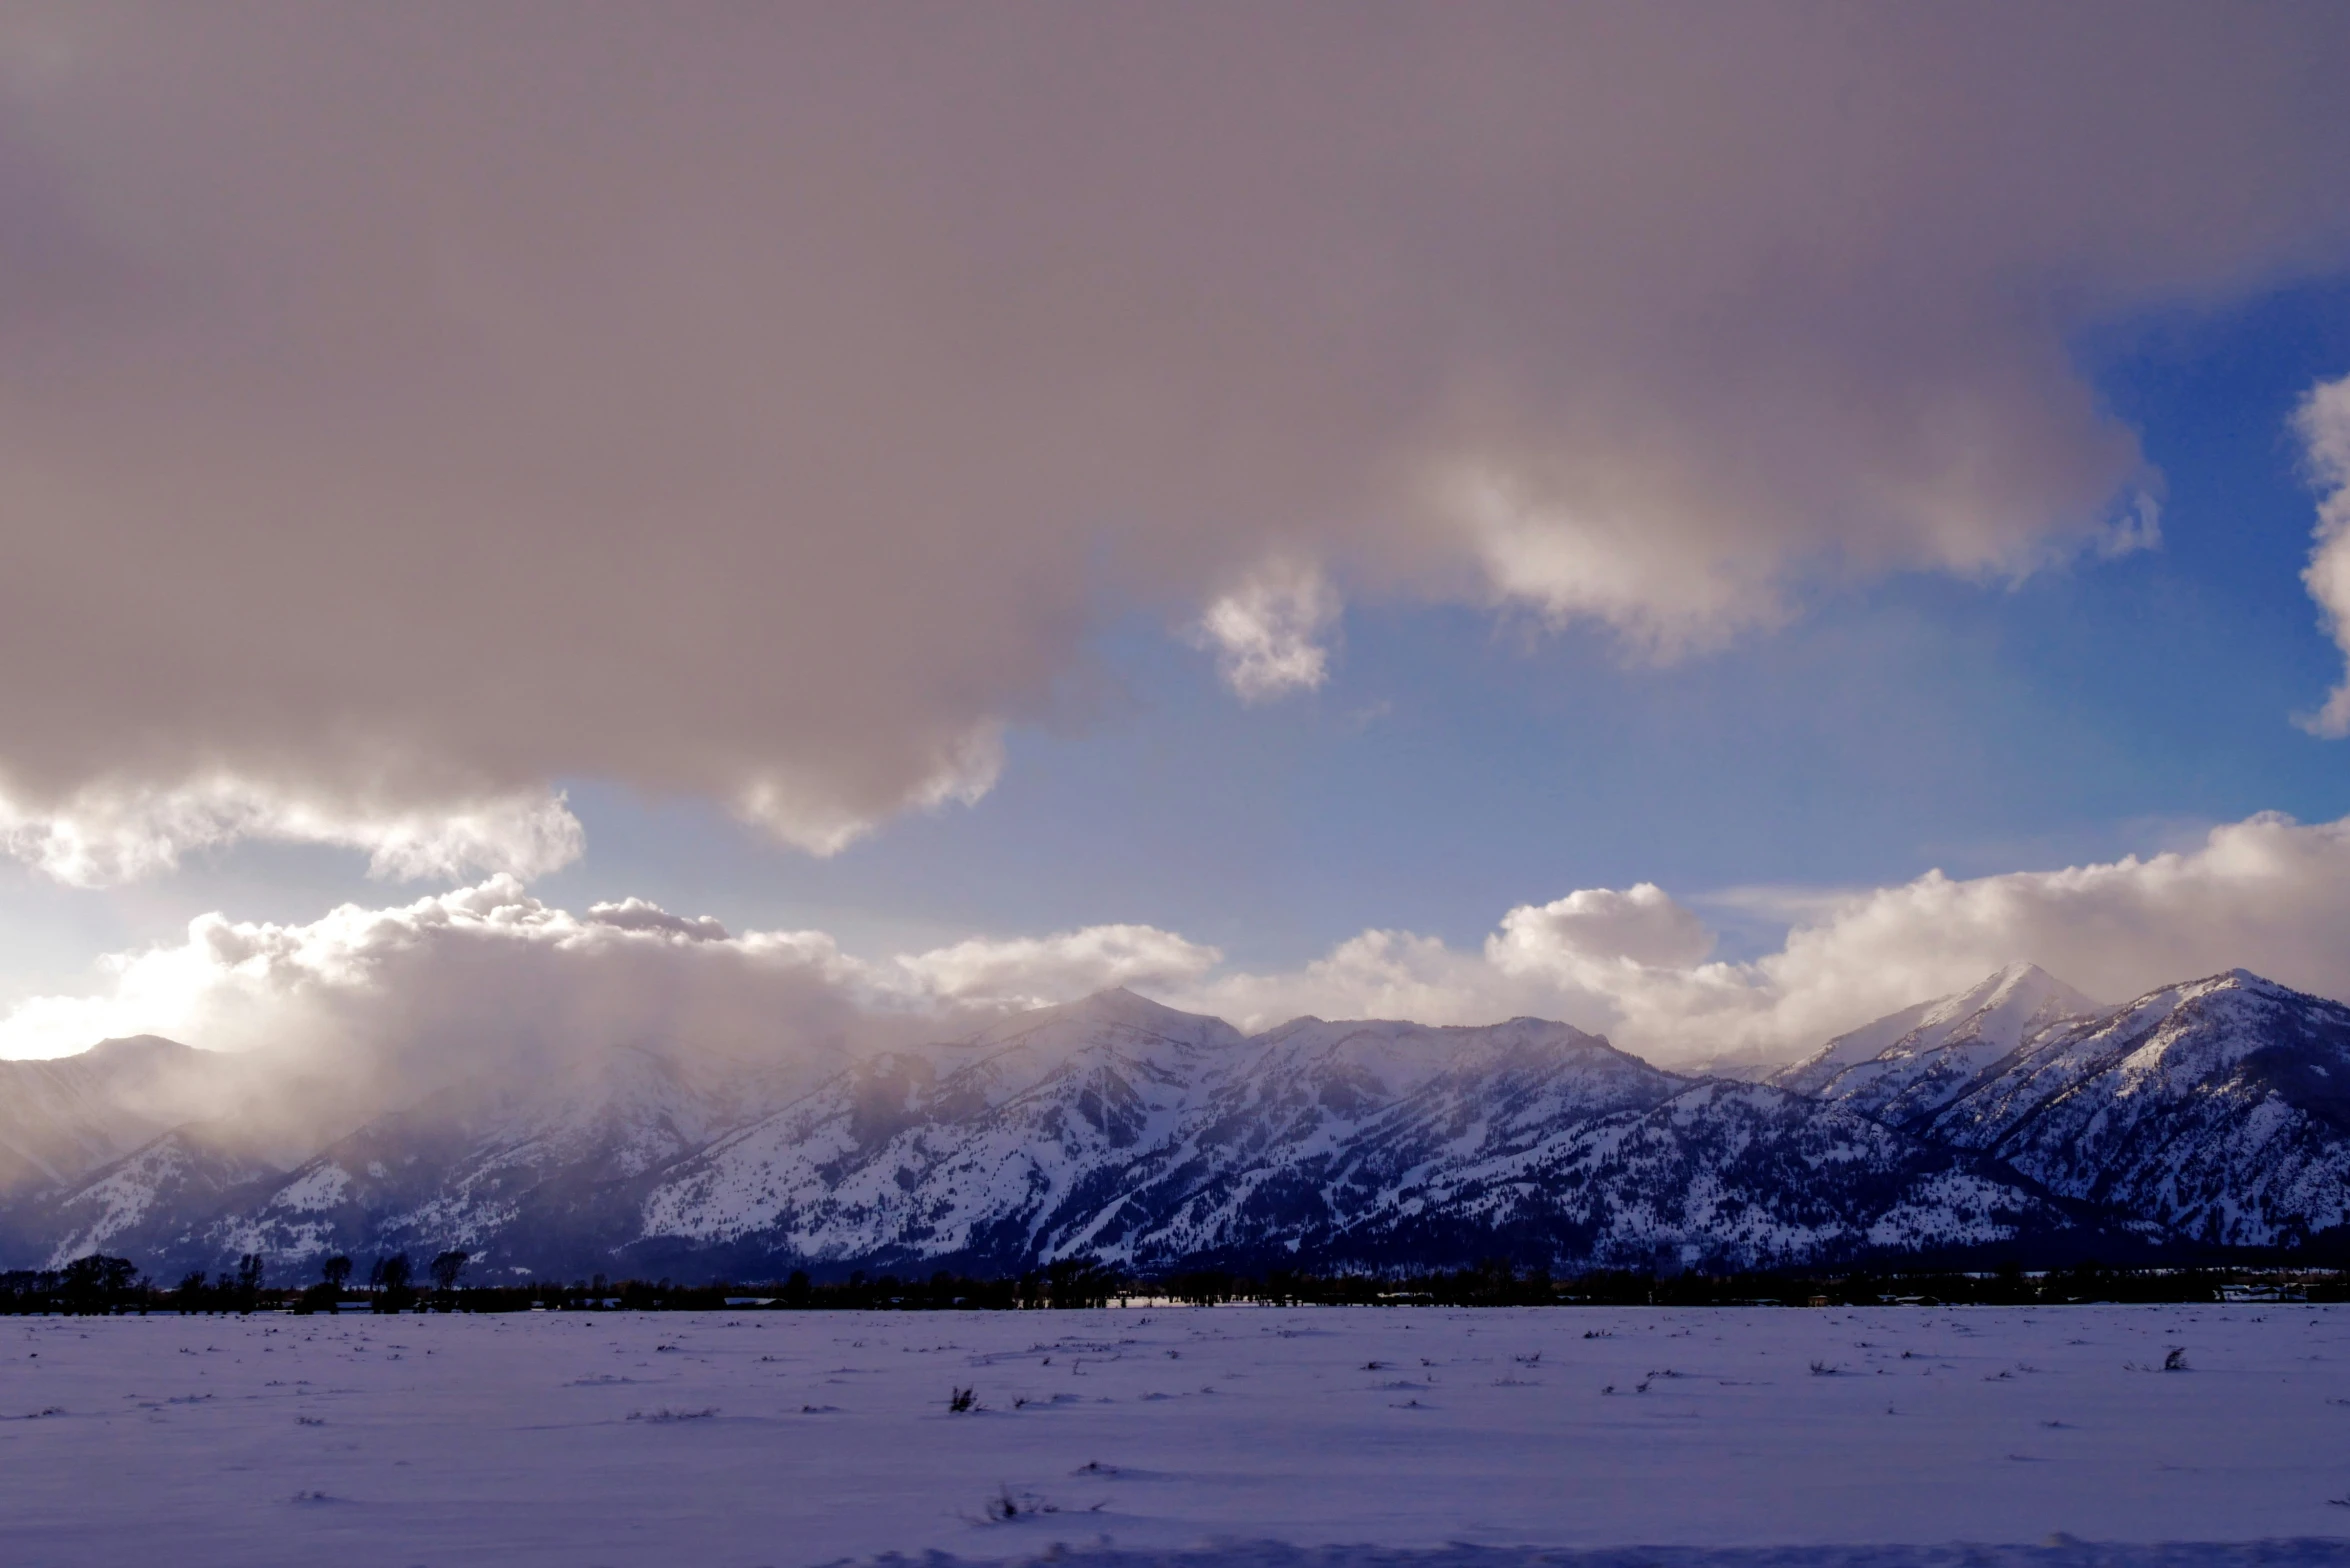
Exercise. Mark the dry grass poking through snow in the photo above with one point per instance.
(1499, 1438)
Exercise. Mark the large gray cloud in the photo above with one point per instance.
(402, 406)
(2323, 423)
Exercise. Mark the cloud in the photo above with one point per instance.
(414, 405)
(107, 833)
(1036, 972)
(1269, 633)
(1641, 925)
(1664, 599)
(800, 808)
(478, 972)
(2267, 894)
(638, 914)
(362, 1011)
(2323, 423)
(363, 1008)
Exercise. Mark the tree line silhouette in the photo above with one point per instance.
(102, 1284)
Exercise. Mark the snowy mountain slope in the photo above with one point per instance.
(1163, 1134)
(524, 1172)
(1918, 1060)
(2219, 1108)
(1165, 1139)
(1034, 1140)
(1119, 1129)
(63, 1118)
(137, 1204)
(1721, 1174)
(1333, 1122)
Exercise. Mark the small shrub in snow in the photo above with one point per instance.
(1008, 1505)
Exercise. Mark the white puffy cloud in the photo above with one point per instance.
(1269, 634)
(2323, 423)
(364, 1008)
(110, 832)
(371, 1003)
(1616, 568)
(1375, 974)
(416, 404)
(2268, 894)
(808, 813)
(1641, 925)
(476, 972)
(642, 914)
(1039, 971)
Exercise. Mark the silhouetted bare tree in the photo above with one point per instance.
(389, 1279)
(446, 1268)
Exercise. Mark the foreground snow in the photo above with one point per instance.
(796, 1439)
(2308, 1552)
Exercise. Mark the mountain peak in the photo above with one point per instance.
(1118, 1004)
(2022, 989)
(2025, 977)
(138, 1048)
(1113, 1011)
(1986, 1020)
(2239, 980)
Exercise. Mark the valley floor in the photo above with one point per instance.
(802, 1438)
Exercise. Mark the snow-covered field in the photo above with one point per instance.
(794, 1439)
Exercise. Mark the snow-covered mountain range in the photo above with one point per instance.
(2218, 1109)
(61, 1119)
(2017, 1114)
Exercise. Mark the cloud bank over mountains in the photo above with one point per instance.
(468, 980)
(408, 407)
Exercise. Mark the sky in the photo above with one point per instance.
(698, 523)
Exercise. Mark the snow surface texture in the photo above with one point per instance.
(2314, 1553)
(1493, 1439)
